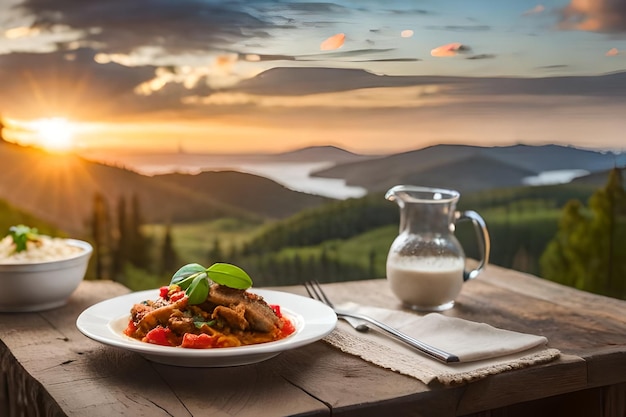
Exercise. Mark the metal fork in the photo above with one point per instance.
(314, 289)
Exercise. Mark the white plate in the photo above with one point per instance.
(105, 322)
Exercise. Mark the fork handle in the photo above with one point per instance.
(429, 350)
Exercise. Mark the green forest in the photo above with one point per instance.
(574, 234)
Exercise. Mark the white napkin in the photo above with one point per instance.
(482, 349)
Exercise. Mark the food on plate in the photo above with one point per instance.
(24, 244)
(208, 308)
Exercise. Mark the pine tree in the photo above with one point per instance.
(371, 270)
(169, 257)
(138, 245)
(101, 234)
(588, 250)
(122, 238)
(215, 253)
(608, 232)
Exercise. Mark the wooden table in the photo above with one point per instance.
(50, 369)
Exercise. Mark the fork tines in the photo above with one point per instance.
(315, 291)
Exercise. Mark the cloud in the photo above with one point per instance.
(342, 54)
(551, 67)
(190, 35)
(612, 52)
(461, 28)
(367, 98)
(535, 10)
(448, 50)
(266, 57)
(21, 32)
(64, 82)
(604, 16)
(304, 81)
(388, 60)
(119, 26)
(333, 42)
(482, 56)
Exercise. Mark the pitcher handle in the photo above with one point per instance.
(482, 235)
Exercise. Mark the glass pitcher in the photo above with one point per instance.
(426, 262)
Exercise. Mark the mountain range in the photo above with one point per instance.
(470, 168)
(60, 188)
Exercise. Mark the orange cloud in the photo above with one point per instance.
(334, 42)
(607, 16)
(451, 49)
(535, 10)
(612, 52)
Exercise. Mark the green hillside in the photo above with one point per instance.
(61, 189)
(253, 193)
(347, 240)
(12, 216)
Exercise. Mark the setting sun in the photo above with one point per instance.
(54, 134)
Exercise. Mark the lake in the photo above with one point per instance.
(293, 175)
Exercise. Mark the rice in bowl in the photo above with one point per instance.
(43, 274)
(44, 249)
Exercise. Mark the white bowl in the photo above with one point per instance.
(37, 286)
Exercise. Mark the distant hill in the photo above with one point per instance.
(148, 161)
(598, 179)
(469, 174)
(257, 194)
(12, 216)
(321, 154)
(60, 190)
(471, 168)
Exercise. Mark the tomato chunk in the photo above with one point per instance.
(130, 329)
(276, 309)
(177, 296)
(158, 336)
(197, 341)
(287, 327)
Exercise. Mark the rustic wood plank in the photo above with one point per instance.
(577, 404)
(358, 388)
(574, 330)
(80, 376)
(49, 368)
(614, 400)
(567, 374)
(535, 287)
(606, 366)
(83, 377)
(250, 390)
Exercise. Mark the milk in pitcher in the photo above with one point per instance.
(426, 283)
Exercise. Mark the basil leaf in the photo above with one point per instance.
(22, 235)
(198, 291)
(185, 275)
(199, 324)
(229, 275)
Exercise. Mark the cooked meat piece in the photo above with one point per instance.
(181, 324)
(158, 316)
(138, 311)
(235, 317)
(261, 317)
(258, 314)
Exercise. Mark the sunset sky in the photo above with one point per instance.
(267, 76)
